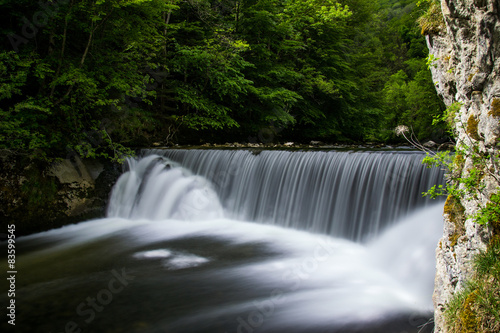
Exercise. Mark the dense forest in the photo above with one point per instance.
(101, 76)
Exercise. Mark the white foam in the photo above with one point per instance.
(153, 254)
(184, 261)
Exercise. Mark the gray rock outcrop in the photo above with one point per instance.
(466, 69)
(36, 196)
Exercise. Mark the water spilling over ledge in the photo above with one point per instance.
(228, 241)
(343, 194)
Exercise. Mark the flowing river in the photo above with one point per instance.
(242, 241)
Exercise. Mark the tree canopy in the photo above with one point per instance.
(100, 76)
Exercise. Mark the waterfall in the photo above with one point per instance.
(156, 189)
(239, 241)
(354, 195)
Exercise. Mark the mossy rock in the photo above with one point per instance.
(432, 21)
(472, 130)
(458, 164)
(456, 214)
(455, 210)
(468, 317)
(495, 108)
(35, 201)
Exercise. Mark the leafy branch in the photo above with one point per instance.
(463, 181)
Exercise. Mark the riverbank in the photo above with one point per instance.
(313, 145)
(38, 196)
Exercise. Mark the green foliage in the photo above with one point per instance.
(458, 311)
(490, 214)
(461, 183)
(445, 160)
(64, 98)
(448, 117)
(103, 76)
(438, 159)
(431, 59)
(22, 119)
(213, 84)
(38, 190)
(469, 183)
(476, 308)
(487, 262)
(432, 21)
(413, 101)
(408, 93)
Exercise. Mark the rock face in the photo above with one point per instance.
(466, 69)
(37, 197)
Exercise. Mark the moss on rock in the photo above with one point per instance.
(495, 108)
(472, 130)
(468, 319)
(432, 21)
(456, 214)
(35, 200)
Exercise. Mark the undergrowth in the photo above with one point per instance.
(432, 21)
(476, 308)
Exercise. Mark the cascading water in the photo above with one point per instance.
(180, 250)
(156, 189)
(342, 194)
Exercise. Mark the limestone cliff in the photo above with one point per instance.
(465, 54)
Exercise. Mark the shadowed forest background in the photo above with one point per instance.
(100, 77)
